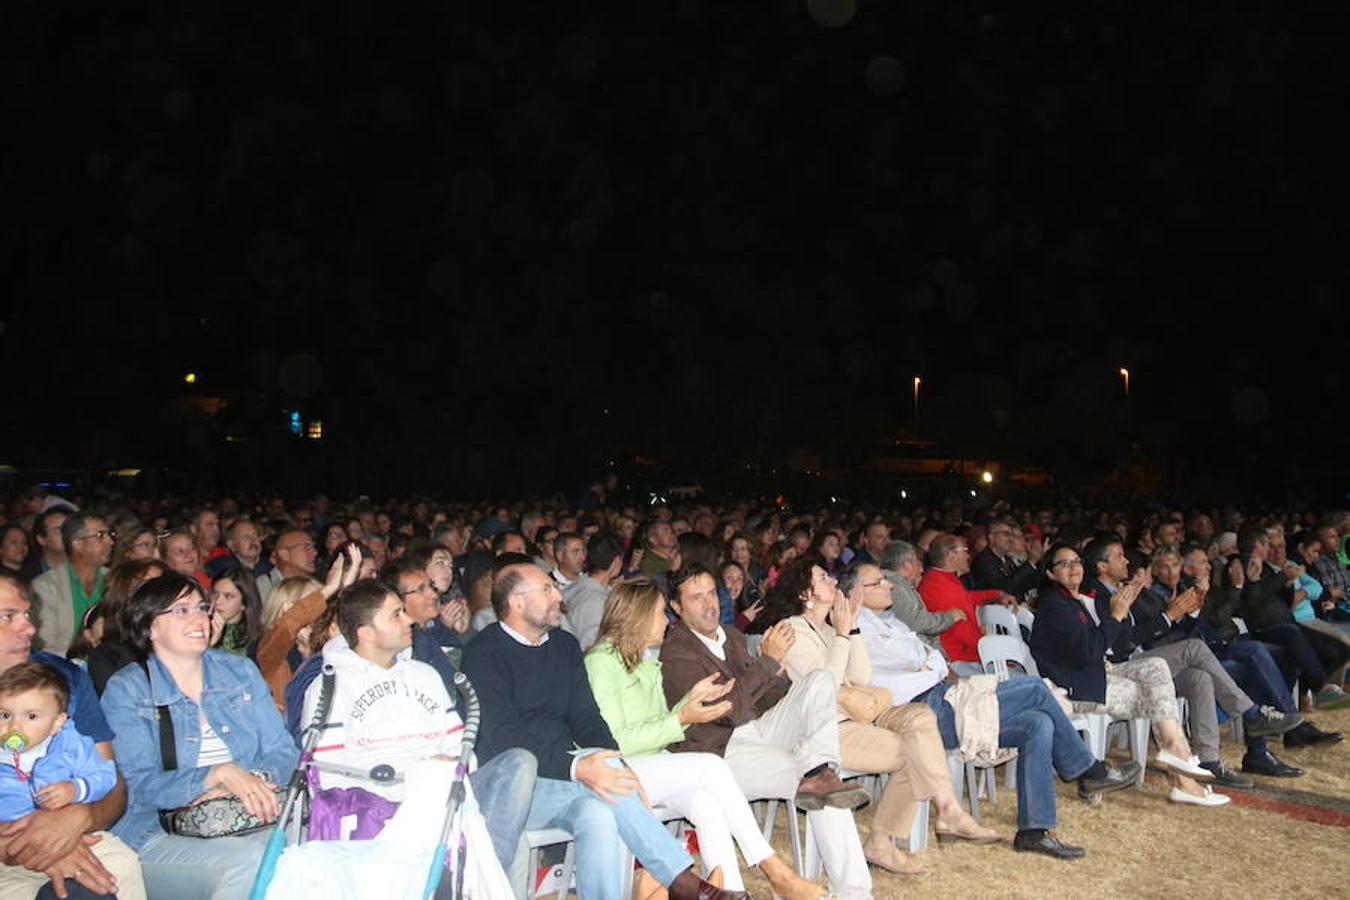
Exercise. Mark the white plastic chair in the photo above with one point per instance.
(771, 805)
(1025, 617)
(996, 651)
(539, 838)
(875, 784)
(996, 619)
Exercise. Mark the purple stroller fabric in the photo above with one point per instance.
(329, 805)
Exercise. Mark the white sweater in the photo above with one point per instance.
(380, 716)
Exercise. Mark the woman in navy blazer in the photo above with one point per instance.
(1069, 643)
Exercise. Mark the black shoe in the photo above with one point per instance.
(1267, 764)
(1116, 778)
(1308, 734)
(1226, 777)
(1038, 841)
(1270, 721)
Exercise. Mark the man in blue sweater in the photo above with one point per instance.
(534, 694)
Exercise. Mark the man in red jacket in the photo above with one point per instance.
(941, 589)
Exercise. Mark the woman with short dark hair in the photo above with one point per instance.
(227, 740)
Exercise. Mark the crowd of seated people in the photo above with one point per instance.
(689, 660)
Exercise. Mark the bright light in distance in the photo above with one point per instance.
(987, 477)
(190, 378)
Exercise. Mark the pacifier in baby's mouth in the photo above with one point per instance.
(13, 741)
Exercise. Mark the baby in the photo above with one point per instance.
(44, 761)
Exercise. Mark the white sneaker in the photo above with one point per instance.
(1191, 766)
(1208, 798)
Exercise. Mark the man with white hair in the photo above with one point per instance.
(1225, 548)
(902, 567)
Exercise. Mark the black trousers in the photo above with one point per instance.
(1297, 658)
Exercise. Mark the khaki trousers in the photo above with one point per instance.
(904, 743)
(17, 883)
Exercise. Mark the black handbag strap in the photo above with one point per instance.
(168, 753)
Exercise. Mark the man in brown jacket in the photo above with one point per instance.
(780, 739)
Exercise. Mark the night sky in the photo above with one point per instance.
(499, 246)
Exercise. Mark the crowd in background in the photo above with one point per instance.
(1124, 609)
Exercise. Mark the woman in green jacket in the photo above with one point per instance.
(698, 786)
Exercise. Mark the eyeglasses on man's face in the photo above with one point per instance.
(97, 535)
(1074, 563)
(546, 588)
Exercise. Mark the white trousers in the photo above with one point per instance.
(701, 788)
(769, 756)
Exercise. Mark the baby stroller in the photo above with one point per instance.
(398, 862)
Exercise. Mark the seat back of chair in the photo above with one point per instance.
(997, 650)
(997, 619)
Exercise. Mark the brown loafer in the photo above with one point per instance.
(688, 886)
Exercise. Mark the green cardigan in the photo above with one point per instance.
(633, 704)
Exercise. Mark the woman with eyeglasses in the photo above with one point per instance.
(134, 543)
(1069, 643)
(228, 740)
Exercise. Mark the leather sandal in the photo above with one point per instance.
(893, 861)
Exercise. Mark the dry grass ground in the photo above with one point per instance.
(1140, 845)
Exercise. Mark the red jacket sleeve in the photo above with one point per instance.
(961, 642)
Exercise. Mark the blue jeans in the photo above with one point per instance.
(74, 891)
(1255, 671)
(1029, 719)
(187, 868)
(504, 786)
(599, 827)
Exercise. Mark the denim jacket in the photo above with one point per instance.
(237, 703)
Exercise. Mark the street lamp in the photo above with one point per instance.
(1125, 373)
(917, 382)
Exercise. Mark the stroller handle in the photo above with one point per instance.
(471, 716)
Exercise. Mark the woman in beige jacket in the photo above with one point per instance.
(901, 741)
